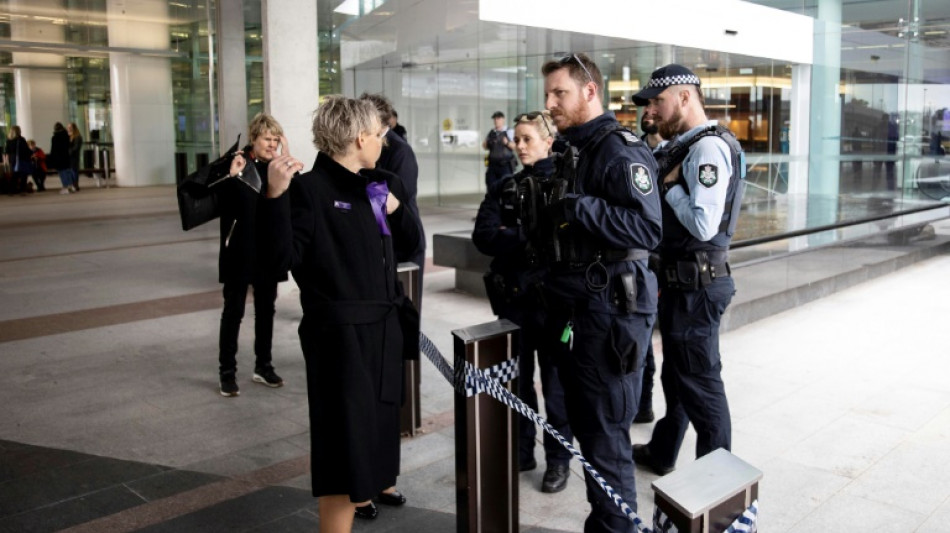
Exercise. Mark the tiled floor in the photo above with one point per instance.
(111, 419)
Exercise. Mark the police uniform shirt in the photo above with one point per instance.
(618, 205)
(706, 172)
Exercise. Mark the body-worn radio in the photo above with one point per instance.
(549, 242)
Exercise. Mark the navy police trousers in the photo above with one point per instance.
(601, 376)
(691, 372)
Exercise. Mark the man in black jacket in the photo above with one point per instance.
(397, 157)
(501, 155)
(600, 294)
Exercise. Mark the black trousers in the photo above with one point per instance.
(235, 295)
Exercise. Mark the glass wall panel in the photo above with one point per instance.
(870, 145)
(195, 122)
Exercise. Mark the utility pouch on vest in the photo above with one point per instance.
(683, 275)
(705, 274)
(628, 294)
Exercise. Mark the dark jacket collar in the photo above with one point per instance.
(541, 167)
(340, 175)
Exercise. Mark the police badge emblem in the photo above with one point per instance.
(640, 178)
(708, 175)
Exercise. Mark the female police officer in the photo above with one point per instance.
(514, 294)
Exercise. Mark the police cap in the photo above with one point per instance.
(662, 78)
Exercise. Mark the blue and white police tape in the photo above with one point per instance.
(459, 380)
(469, 381)
(745, 523)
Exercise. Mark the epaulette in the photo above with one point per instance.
(628, 136)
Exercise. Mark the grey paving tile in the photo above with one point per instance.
(20, 460)
(71, 511)
(243, 513)
(938, 521)
(913, 476)
(74, 481)
(169, 483)
(788, 492)
(848, 513)
(299, 522)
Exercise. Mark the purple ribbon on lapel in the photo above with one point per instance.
(378, 191)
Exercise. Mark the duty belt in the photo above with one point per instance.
(605, 256)
(694, 272)
(619, 256)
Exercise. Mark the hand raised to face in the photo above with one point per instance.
(281, 169)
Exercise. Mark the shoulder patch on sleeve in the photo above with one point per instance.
(640, 179)
(708, 175)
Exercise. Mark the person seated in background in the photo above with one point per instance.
(39, 165)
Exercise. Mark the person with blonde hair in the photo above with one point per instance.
(334, 228)
(75, 150)
(513, 285)
(242, 261)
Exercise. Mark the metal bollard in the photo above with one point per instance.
(709, 494)
(105, 163)
(410, 416)
(181, 167)
(486, 437)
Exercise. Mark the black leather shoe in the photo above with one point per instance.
(643, 457)
(644, 416)
(525, 466)
(394, 498)
(367, 512)
(555, 478)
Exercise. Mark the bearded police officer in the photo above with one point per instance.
(701, 198)
(597, 223)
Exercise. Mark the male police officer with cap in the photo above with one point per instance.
(701, 200)
(601, 297)
(501, 154)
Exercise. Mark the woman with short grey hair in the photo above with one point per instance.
(334, 227)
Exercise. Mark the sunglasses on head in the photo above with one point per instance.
(531, 117)
(567, 59)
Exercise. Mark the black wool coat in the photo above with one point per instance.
(399, 158)
(324, 229)
(242, 257)
(58, 157)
